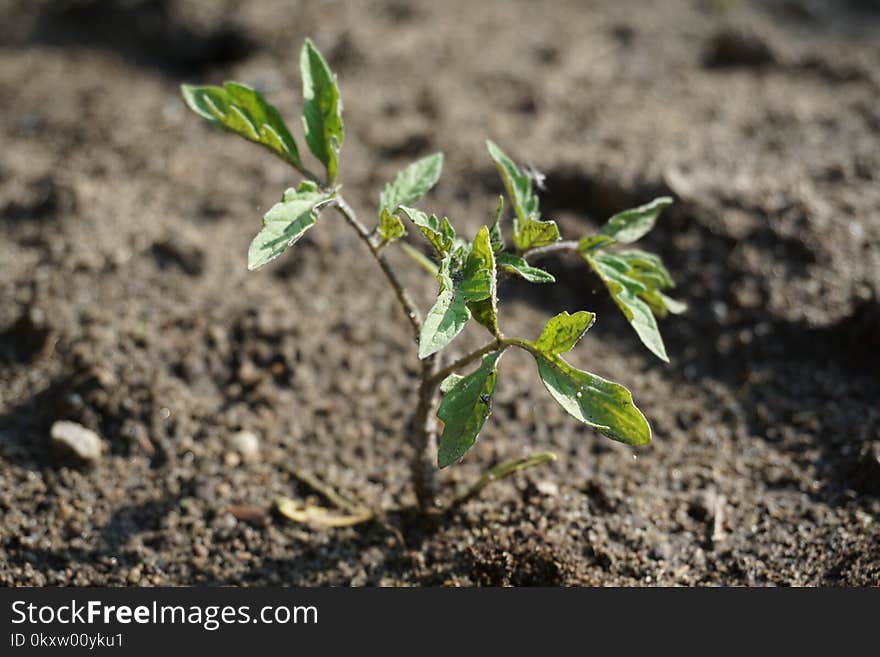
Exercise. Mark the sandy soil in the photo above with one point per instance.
(126, 305)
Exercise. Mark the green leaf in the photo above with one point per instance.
(562, 332)
(464, 409)
(625, 291)
(597, 402)
(518, 185)
(601, 404)
(593, 243)
(480, 269)
(412, 183)
(647, 268)
(390, 226)
(447, 316)
(517, 265)
(242, 110)
(286, 222)
(495, 234)
(439, 233)
(630, 225)
(322, 108)
(459, 290)
(534, 233)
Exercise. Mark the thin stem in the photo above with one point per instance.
(406, 302)
(569, 246)
(495, 345)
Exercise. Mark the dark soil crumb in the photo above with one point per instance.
(127, 307)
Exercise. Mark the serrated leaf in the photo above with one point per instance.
(439, 232)
(480, 267)
(562, 332)
(285, 223)
(518, 185)
(412, 183)
(464, 409)
(390, 226)
(630, 225)
(534, 233)
(242, 110)
(517, 265)
(322, 109)
(601, 404)
(625, 291)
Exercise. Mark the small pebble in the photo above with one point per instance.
(548, 488)
(247, 444)
(74, 440)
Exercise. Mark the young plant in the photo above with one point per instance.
(467, 271)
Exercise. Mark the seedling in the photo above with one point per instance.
(467, 270)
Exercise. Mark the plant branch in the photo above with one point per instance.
(495, 345)
(568, 246)
(406, 302)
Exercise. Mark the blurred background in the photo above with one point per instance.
(191, 384)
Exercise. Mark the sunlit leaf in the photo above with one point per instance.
(286, 222)
(534, 233)
(626, 292)
(479, 267)
(518, 185)
(628, 226)
(562, 332)
(412, 183)
(242, 110)
(322, 109)
(606, 406)
(439, 232)
(390, 226)
(517, 265)
(459, 290)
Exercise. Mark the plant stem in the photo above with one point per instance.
(500, 471)
(422, 431)
(423, 438)
(406, 302)
(569, 246)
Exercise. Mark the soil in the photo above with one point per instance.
(127, 307)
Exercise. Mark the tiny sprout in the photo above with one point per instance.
(467, 269)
